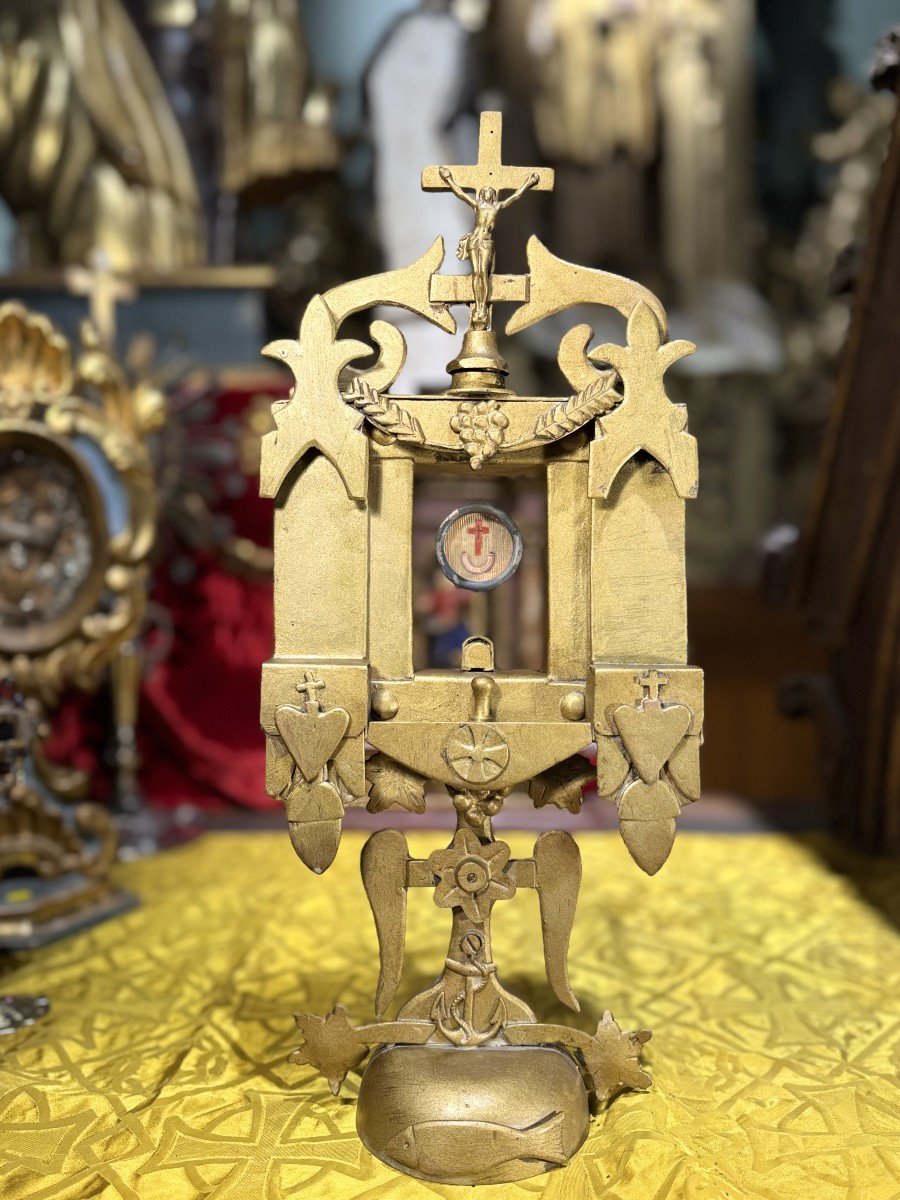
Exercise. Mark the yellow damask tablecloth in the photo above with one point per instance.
(770, 978)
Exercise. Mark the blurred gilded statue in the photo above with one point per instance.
(273, 124)
(644, 108)
(91, 155)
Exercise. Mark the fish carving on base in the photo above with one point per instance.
(437, 1149)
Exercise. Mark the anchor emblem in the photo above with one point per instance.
(456, 1020)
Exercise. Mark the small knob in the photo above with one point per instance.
(484, 696)
(572, 706)
(385, 704)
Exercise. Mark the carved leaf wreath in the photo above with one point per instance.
(382, 412)
(597, 398)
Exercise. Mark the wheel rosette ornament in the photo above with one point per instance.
(477, 753)
(471, 876)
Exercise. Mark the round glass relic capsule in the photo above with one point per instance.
(478, 547)
(53, 539)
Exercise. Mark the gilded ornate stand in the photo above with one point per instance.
(467, 1086)
(77, 522)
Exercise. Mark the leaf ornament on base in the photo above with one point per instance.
(392, 783)
(614, 1059)
(563, 784)
(330, 1044)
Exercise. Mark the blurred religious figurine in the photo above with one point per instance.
(91, 155)
(238, 76)
(274, 124)
(644, 107)
(442, 611)
(424, 54)
(78, 518)
(478, 245)
(817, 277)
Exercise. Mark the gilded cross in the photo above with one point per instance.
(308, 689)
(478, 531)
(489, 170)
(485, 179)
(651, 682)
(104, 289)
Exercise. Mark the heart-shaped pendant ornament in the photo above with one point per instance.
(311, 737)
(314, 812)
(647, 815)
(650, 732)
(648, 802)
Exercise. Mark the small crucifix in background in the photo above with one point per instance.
(486, 179)
(104, 290)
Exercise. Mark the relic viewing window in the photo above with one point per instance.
(513, 614)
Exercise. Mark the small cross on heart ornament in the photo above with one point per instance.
(311, 735)
(652, 734)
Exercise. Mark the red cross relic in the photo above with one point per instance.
(478, 531)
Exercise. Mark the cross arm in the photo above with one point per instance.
(489, 170)
(447, 175)
(501, 177)
(521, 871)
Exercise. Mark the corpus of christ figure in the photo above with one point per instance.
(478, 246)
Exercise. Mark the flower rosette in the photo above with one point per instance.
(471, 876)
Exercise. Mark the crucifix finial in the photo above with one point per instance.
(485, 180)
